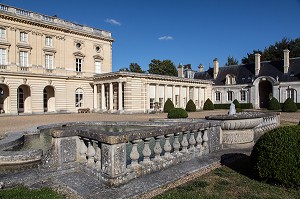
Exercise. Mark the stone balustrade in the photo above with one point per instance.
(117, 157)
(270, 121)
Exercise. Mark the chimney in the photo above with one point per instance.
(180, 70)
(216, 68)
(257, 63)
(286, 63)
(201, 68)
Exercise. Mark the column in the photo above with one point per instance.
(199, 97)
(95, 98)
(165, 93)
(187, 93)
(111, 92)
(173, 95)
(156, 93)
(120, 96)
(103, 107)
(180, 97)
(147, 97)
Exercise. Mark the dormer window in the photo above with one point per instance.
(230, 79)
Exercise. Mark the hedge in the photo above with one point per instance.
(177, 113)
(168, 105)
(190, 106)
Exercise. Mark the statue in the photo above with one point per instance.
(232, 110)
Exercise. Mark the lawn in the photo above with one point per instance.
(25, 193)
(234, 180)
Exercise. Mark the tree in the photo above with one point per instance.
(275, 51)
(133, 67)
(231, 61)
(165, 67)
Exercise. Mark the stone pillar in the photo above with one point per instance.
(187, 93)
(120, 96)
(180, 97)
(199, 97)
(103, 106)
(95, 98)
(147, 97)
(173, 95)
(111, 95)
(165, 93)
(156, 93)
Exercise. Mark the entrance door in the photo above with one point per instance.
(20, 100)
(265, 93)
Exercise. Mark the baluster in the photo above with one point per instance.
(168, 147)
(157, 149)
(98, 156)
(184, 142)
(176, 145)
(146, 151)
(199, 147)
(134, 155)
(90, 155)
(192, 141)
(205, 140)
(82, 151)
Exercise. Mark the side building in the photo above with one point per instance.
(47, 64)
(255, 83)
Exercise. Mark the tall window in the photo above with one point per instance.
(79, 97)
(229, 95)
(176, 100)
(2, 56)
(2, 33)
(218, 96)
(243, 95)
(97, 67)
(160, 102)
(48, 41)
(23, 58)
(79, 64)
(23, 37)
(49, 61)
(151, 103)
(292, 93)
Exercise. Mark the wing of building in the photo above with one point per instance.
(255, 83)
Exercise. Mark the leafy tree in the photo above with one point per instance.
(275, 51)
(165, 67)
(231, 61)
(133, 67)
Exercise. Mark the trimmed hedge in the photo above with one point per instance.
(168, 105)
(177, 113)
(274, 104)
(237, 104)
(190, 106)
(297, 104)
(289, 106)
(276, 156)
(227, 106)
(208, 105)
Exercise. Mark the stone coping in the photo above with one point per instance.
(20, 157)
(150, 129)
(242, 115)
(11, 139)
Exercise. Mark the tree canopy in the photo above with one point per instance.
(275, 51)
(165, 67)
(231, 61)
(133, 67)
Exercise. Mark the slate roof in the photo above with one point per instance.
(245, 73)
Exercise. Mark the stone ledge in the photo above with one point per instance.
(11, 140)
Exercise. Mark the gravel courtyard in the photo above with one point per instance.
(16, 123)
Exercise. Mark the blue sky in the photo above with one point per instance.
(184, 31)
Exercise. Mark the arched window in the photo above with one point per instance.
(229, 95)
(292, 93)
(79, 97)
(218, 96)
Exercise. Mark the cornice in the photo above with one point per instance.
(48, 25)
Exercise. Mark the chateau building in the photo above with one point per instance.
(49, 64)
(255, 83)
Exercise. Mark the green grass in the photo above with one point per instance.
(231, 181)
(25, 193)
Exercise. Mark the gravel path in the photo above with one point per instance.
(16, 123)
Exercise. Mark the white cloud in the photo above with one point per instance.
(113, 22)
(166, 38)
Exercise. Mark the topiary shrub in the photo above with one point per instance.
(177, 113)
(208, 105)
(276, 156)
(190, 106)
(274, 104)
(289, 106)
(237, 104)
(168, 105)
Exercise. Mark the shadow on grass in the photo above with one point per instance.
(240, 163)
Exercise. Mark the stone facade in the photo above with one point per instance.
(47, 63)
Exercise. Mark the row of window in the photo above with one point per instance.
(230, 96)
(161, 102)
